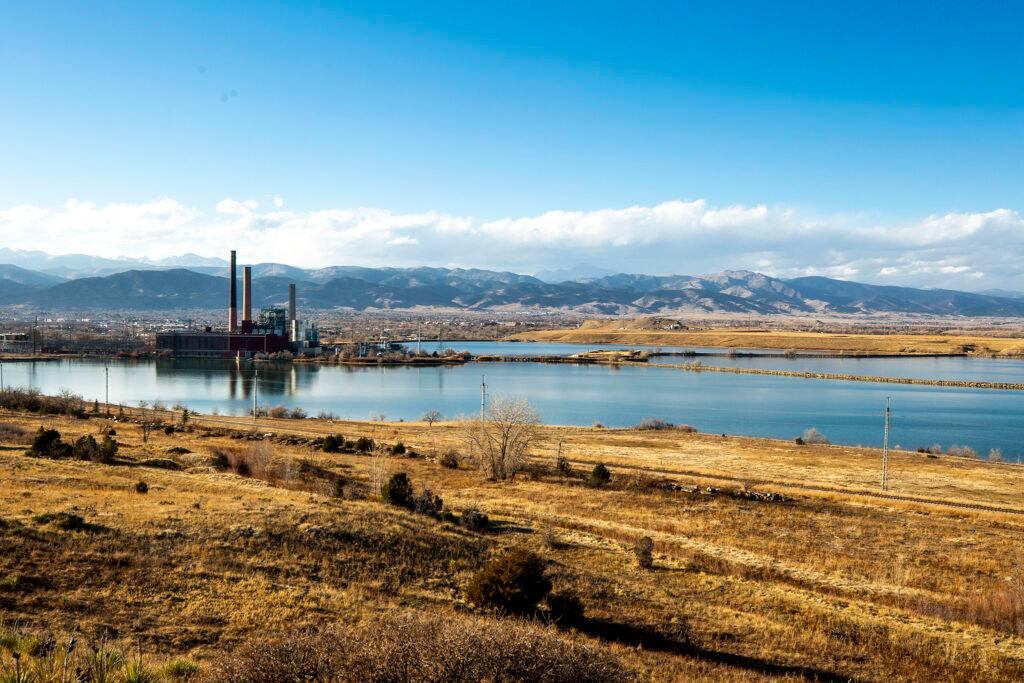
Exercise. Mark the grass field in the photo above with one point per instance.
(834, 583)
(635, 332)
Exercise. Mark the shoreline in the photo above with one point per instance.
(835, 376)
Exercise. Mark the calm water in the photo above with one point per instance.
(847, 412)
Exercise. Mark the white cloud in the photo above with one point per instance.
(689, 237)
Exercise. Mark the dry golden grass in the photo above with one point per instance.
(616, 332)
(836, 584)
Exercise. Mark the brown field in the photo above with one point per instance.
(836, 583)
(636, 332)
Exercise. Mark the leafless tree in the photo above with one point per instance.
(431, 416)
(500, 442)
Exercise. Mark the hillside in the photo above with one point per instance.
(357, 288)
(828, 582)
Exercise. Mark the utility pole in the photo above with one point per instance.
(483, 396)
(106, 381)
(255, 392)
(885, 448)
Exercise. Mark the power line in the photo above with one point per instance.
(885, 447)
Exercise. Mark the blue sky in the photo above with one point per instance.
(841, 120)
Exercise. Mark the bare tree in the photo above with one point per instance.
(500, 442)
(431, 416)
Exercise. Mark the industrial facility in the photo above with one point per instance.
(274, 331)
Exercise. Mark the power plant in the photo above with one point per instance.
(275, 330)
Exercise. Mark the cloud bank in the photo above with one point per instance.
(955, 250)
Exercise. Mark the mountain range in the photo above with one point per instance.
(204, 285)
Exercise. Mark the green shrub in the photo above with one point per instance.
(398, 449)
(142, 487)
(563, 466)
(333, 443)
(565, 608)
(599, 476)
(108, 449)
(86, 448)
(398, 491)
(364, 445)
(47, 444)
(181, 670)
(511, 584)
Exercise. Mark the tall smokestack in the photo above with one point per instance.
(247, 294)
(233, 320)
(291, 304)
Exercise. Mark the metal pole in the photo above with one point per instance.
(1, 375)
(885, 448)
(483, 396)
(106, 380)
(255, 392)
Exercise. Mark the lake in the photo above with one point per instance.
(780, 407)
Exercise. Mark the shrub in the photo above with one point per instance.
(406, 646)
(142, 487)
(799, 441)
(563, 465)
(169, 429)
(297, 413)
(644, 551)
(565, 608)
(68, 521)
(511, 584)
(813, 436)
(398, 491)
(654, 423)
(474, 520)
(364, 444)
(426, 503)
(398, 449)
(86, 448)
(450, 459)
(181, 670)
(599, 476)
(333, 443)
(108, 449)
(995, 455)
(47, 444)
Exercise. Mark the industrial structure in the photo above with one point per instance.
(275, 330)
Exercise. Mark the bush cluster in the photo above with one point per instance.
(336, 443)
(31, 400)
(47, 443)
(398, 491)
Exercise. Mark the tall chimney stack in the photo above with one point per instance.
(246, 294)
(233, 319)
(291, 304)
